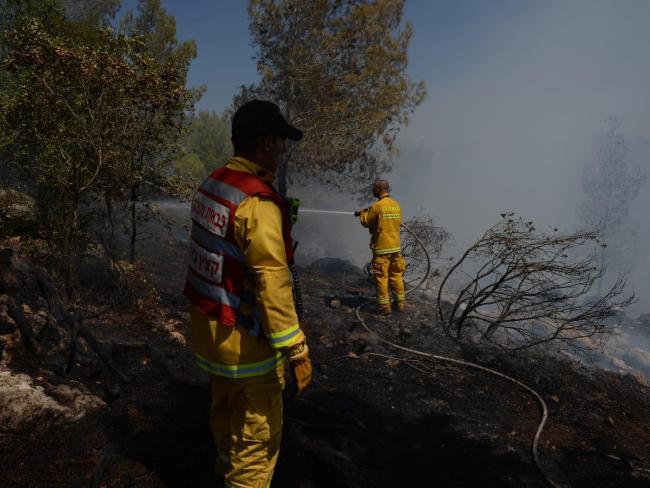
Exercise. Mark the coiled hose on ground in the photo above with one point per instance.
(528, 389)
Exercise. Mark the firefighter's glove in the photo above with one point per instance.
(300, 365)
(358, 213)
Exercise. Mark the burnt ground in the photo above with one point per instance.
(370, 419)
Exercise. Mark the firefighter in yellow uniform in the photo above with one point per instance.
(242, 316)
(383, 219)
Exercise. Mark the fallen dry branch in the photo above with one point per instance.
(17, 315)
(103, 462)
(18, 281)
(422, 241)
(95, 346)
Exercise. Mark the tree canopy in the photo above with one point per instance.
(338, 70)
(84, 108)
(208, 139)
(158, 29)
(96, 12)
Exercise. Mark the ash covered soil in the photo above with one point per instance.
(374, 416)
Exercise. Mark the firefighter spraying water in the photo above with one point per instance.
(389, 251)
(383, 219)
(418, 278)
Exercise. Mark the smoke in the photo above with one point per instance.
(329, 235)
(514, 112)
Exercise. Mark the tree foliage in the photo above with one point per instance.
(13, 10)
(190, 165)
(95, 12)
(208, 138)
(338, 70)
(85, 108)
(520, 287)
(157, 29)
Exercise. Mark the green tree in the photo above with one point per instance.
(158, 31)
(96, 12)
(80, 96)
(12, 10)
(191, 166)
(48, 13)
(208, 137)
(338, 70)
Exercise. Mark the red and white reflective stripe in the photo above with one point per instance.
(210, 214)
(213, 243)
(211, 299)
(224, 190)
(207, 264)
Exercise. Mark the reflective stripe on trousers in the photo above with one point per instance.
(382, 252)
(212, 291)
(246, 370)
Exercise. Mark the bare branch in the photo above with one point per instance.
(524, 288)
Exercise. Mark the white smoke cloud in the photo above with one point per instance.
(511, 125)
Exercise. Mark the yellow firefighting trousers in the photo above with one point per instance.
(387, 269)
(246, 421)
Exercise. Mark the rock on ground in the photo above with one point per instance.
(23, 403)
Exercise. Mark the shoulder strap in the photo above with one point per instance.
(254, 185)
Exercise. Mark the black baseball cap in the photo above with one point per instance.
(260, 118)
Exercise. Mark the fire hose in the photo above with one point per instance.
(369, 300)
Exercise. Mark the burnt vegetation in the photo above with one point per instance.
(517, 287)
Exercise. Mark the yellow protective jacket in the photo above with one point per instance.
(383, 220)
(232, 351)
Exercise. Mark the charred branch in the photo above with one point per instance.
(15, 282)
(522, 288)
(426, 238)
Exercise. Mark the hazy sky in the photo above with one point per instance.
(517, 93)
(512, 124)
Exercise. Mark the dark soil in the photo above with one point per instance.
(370, 419)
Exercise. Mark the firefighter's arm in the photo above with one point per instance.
(367, 216)
(258, 231)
